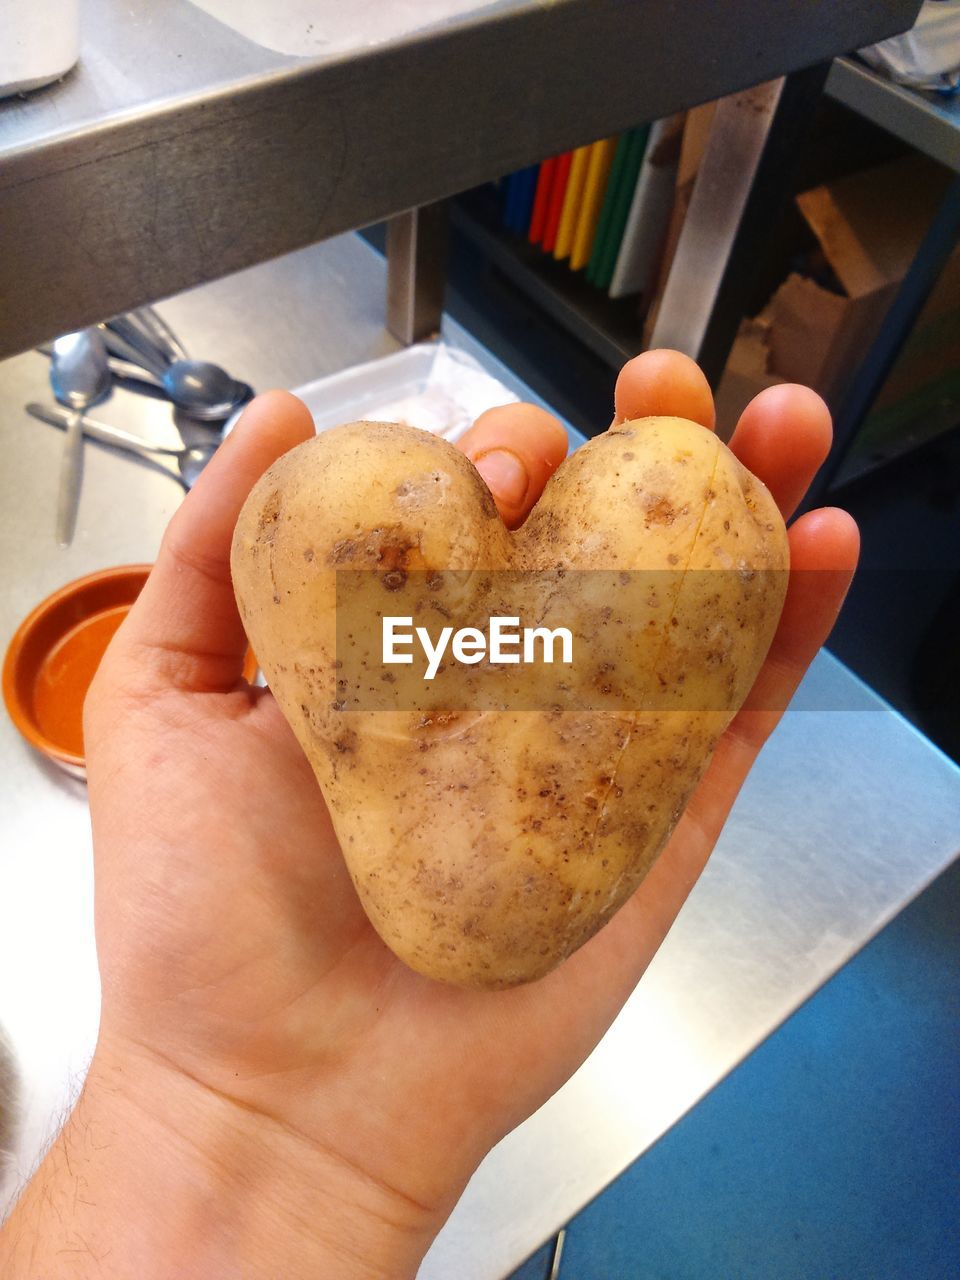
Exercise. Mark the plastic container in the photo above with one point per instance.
(54, 656)
(39, 43)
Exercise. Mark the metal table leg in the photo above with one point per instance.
(742, 182)
(416, 271)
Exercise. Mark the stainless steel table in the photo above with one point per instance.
(178, 150)
(848, 815)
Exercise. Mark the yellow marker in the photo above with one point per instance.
(571, 202)
(594, 189)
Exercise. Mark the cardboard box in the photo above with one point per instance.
(869, 227)
(747, 371)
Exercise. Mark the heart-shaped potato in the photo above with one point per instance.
(488, 842)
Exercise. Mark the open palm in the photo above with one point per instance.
(233, 950)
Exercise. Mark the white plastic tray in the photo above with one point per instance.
(432, 386)
(322, 28)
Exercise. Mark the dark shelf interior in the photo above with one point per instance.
(611, 329)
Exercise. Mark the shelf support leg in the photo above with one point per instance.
(742, 182)
(416, 271)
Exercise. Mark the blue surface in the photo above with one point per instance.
(832, 1152)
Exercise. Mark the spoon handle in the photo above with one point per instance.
(117, 344)
(125, 369)
(163, 336)
(131, 372)
(57, 417)
(71, 470)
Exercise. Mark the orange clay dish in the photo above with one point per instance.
(54, 655)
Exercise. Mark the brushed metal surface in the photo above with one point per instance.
(178, 152)
(848, 815)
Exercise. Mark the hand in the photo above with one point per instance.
(273, 1093)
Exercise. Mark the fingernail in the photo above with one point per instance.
(505, 475)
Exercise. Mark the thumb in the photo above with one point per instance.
(516, 448)
(184, 629)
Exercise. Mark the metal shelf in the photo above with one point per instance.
(868, 456)
(926, 121)
(178, 152)
(930, 124)
(611, 330)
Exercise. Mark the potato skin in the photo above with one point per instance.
(486, 846)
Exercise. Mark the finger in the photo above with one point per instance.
(516, 448)
(783, 437)
(824, 548)
(184, 627)
(663, 384)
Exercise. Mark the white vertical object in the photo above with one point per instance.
(738, 135)
(643, 236)
(39, 42)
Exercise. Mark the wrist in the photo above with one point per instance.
(157, 1175)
